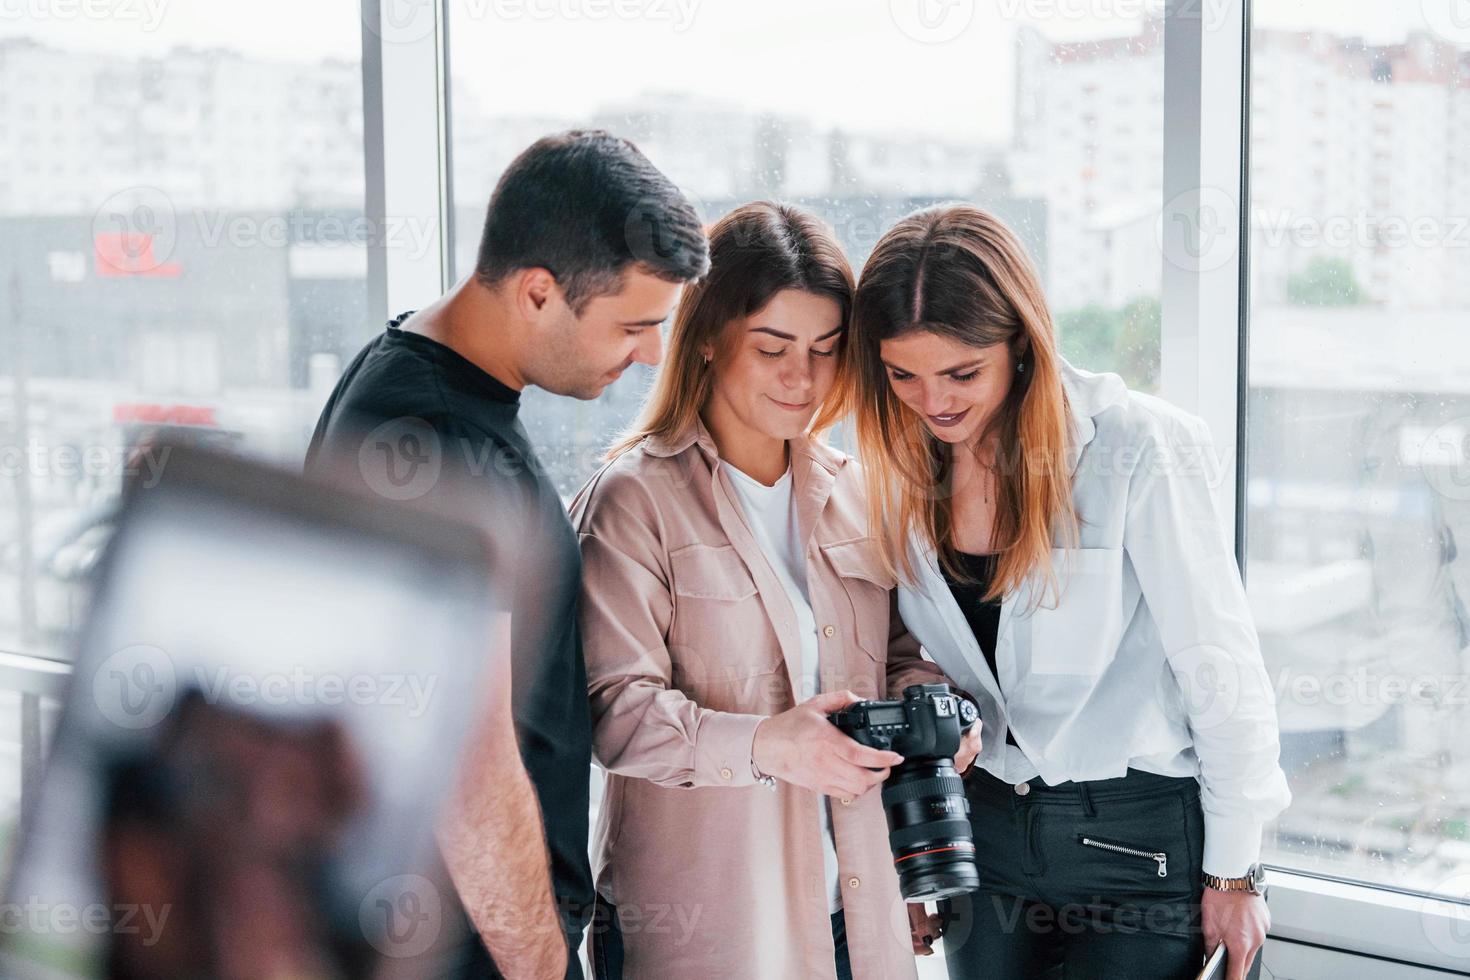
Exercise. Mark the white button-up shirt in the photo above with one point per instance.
(1150, 660)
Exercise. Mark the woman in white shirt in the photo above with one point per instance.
(1060, 559)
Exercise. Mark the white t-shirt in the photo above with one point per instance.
(771, 512)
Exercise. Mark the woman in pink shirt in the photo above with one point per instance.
(732, 598)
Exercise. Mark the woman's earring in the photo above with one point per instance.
(1021, 367)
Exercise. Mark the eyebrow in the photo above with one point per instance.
(953, 370)
(786, 336)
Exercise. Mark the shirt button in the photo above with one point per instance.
(853, 882)
(829, 631)
(1022, 789)
(847, 801)
(726, 774)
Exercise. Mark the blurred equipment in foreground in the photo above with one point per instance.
(270, 701)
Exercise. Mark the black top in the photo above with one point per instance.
(983, 617)
(413, 419)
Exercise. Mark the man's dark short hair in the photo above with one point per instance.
(586, 205)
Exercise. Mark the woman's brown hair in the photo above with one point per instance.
(756, 251)
(961, 273)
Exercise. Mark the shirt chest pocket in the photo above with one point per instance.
(1080, 635)
(721, 643)
(866, 587)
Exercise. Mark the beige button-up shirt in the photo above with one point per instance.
(690, 642)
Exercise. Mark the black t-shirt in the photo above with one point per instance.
(410, 418)
(983, 616)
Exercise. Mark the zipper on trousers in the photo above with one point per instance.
(1158, 856)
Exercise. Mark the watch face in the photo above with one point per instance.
(1258, 877)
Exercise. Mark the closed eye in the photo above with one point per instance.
(898, 375)
(970, 376)
(823, 353)
(771, 353)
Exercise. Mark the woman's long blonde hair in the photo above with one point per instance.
(756, 251)
(961, 273)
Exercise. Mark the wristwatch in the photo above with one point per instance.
(1253, 881)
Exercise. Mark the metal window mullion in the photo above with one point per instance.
(1201, 298)
(405, 150)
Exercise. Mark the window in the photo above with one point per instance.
(1357, 505)
(176, 259)
(158, 276)
(861, 112)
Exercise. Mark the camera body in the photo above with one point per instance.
(923, 797)
(929, 723)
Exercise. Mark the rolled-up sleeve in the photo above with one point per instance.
(1187, 570)
(642, 726)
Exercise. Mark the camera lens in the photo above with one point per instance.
(929, 830)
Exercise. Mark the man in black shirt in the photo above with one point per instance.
(583, 252)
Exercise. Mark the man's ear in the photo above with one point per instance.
(534, 288)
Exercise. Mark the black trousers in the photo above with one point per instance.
(1084, 880)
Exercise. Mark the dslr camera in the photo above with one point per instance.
(923, 797)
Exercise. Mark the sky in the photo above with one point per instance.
(869, 65)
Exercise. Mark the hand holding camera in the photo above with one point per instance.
(800, 746)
